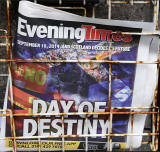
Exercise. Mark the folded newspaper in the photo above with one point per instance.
(47, 34)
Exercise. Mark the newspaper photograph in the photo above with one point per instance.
(61, 83)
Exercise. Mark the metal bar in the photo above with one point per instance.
(9, 28)
(60, 2)
(4, 75)
(109, 8)
(152, 107)
(39, 139)
(82, 113)
(156, 12)
(12, 107)
(79, 113)
(109, 148)
(77, 61)
(3, 110)
(11, 122)
(132, 118)
(134, 2)
(157, 130)
(158, 110)
(154, 145)
(6, 36)
(110, 130)
(154, 116)
(146, 142)
(3, 30)
(8, 49)
(93, 12)
(154, 33)
(143, 33)
(86, 132)
(131, 2)
(156, 107)
(153, 130)
(4, 44)
(84, 2)
(63, 133)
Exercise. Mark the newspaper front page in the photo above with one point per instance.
(47, 34)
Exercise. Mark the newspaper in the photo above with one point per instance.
(47, 34)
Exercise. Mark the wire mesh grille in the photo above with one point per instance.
(6, 43)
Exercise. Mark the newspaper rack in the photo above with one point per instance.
(154, 109)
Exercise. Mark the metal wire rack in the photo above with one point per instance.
(6, 41)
